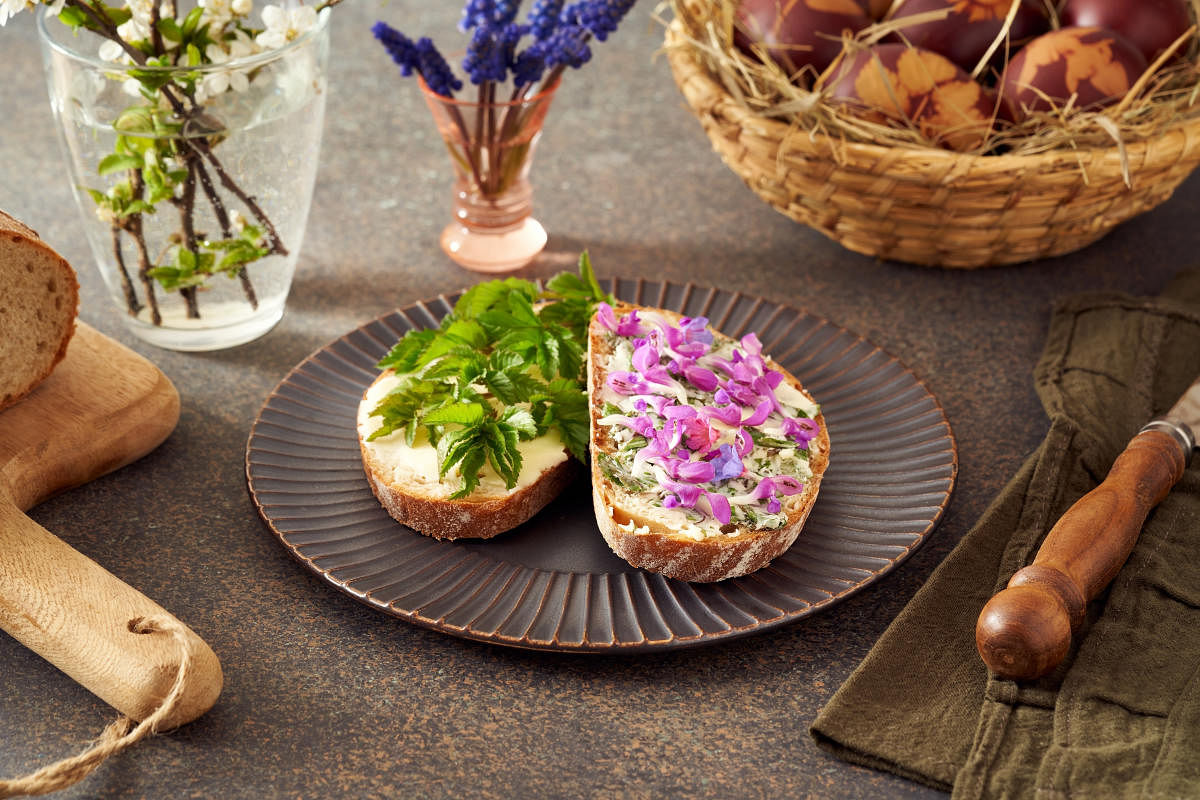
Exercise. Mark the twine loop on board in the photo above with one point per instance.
(119, 735)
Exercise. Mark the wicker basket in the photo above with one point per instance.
(929, 206)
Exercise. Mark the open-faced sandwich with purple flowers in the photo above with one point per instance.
(706, 456)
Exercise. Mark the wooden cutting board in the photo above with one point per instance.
(103, 407)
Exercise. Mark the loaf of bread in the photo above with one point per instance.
(405, 479)
(39, 301)
(706, 456)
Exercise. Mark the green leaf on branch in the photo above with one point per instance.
(191, 21)
(248, 247)
(74, 18)
(170, 29)
(117, 163)
(117, 15)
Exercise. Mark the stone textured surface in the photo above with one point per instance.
(325, 697)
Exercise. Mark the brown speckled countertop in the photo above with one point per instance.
(325, 697)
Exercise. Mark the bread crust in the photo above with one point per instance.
(645, 543)
(479, 516)
(38, 321)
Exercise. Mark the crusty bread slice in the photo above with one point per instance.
(405, 480)
(39, 300)
(646, 536)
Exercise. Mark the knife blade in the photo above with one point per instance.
(1025, 630)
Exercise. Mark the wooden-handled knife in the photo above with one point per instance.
(1025, 631)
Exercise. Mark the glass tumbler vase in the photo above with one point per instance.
(491, 146)
(193, 183)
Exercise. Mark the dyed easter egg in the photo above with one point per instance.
(970, 26)
(896, 83)
(1093, 65)
(1150, 25)
(798, 33)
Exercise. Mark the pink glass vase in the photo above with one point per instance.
(491, 144)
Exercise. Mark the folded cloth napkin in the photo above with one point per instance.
(1120, 717)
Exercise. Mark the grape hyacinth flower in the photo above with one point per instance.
(600, 17)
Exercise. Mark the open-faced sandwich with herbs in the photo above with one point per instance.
(474, 426)
(706, 455)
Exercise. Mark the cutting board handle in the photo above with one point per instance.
(84, 620)
(1025, 630)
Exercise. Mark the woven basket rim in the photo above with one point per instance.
(680, 53)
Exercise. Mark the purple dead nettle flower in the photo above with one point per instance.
(606, 316)
(688, 495)
(718, 506)
(699, 435)
(760, 413)
(801, 430)
(727, 463)
(703, 379)
(630, 324)
(646, 361)
(690, 471)
(627, 383)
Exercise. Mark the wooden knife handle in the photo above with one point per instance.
(81, 618)
(1025, 630)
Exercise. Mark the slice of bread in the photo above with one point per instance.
(647, 524)
(405, 479)
(39, 301)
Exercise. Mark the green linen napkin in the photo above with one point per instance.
(1120, 718)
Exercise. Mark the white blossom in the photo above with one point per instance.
(284, 24)
(112, 51)
(218, 81)
(219, 13)
(10, 8)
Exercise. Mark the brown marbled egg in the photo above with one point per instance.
(1150, 25)
(798, 33)
(970, 26)
(898, 83)
(1094, 66)
(877, 8)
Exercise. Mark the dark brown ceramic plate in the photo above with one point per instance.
(552, 584)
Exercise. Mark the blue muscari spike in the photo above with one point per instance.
(568, 46)
(529, 66)
(486, 59)
(602, 17)
(543, 17)
(399, 47)
(476, 13)
(434, 69)
(505, 12)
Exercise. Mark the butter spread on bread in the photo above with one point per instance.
(706, 455)
(39, 300)
(404, 477)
